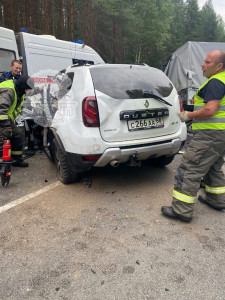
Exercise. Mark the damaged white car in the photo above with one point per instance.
(109, 114)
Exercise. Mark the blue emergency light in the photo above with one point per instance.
(78, 42)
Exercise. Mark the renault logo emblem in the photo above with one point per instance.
(146, 104)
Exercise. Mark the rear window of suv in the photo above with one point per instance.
(134, 82)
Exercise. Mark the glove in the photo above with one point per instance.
(184, 116)
(6, 132)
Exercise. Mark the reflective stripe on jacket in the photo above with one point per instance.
(217, 121)
(13, 110)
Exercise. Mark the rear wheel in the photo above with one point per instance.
(160, 161)
(67, 175)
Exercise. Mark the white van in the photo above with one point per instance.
(43, 56)
(46, 55)
(8, 48)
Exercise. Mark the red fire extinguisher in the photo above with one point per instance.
(5, 165)
(6, 150)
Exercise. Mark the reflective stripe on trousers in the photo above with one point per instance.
(4, 117)
(17, 153)
(182, 197)
(215, 190)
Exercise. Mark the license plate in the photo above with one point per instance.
(145, 124)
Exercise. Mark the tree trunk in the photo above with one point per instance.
(12, 15)
(2, 14)
(71, 16)
(86, 22)
(53, 17)
(27, 16)
(61, 17)
(138, 55)
(115, 41)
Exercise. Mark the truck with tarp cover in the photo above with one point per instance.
(184, 69)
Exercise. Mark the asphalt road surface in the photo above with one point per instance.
(104, 238)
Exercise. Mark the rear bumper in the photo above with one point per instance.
(140, 152)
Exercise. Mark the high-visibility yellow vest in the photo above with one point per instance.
(217, 121)
(13, 111)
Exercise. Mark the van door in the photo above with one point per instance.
(8, 48)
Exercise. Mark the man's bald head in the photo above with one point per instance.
(220, 57)
(214, 63)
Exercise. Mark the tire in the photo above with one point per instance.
(67, 175)
(160, 161)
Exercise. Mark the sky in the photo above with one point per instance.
(219, 6)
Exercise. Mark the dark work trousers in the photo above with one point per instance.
(202, 158)
(16, 143)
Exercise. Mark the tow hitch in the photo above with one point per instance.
(133, 162)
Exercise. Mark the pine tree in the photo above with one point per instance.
(209, 23)
(192, 20)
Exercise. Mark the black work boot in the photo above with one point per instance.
(204, 201)
(170, 212)
(18, 162)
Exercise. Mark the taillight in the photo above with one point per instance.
(90, 112)
(181, 104)
(90, 157)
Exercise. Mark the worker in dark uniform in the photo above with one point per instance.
(15, 73)
(12, 94)
(204, 154)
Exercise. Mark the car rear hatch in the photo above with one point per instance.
(134, 102)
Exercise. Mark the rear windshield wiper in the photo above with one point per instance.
(151, 95)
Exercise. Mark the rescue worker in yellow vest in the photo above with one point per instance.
(204, 154)
(12, 94)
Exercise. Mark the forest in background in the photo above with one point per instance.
(121, 31)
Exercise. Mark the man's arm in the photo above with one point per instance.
(206, 112)
(6, 100)
(2, 77)
(212, 93)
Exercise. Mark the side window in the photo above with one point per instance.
(66, 84)
(6, 56)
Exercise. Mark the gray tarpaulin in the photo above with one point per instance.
(184, 66)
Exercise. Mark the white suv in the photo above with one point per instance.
(114, 114)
